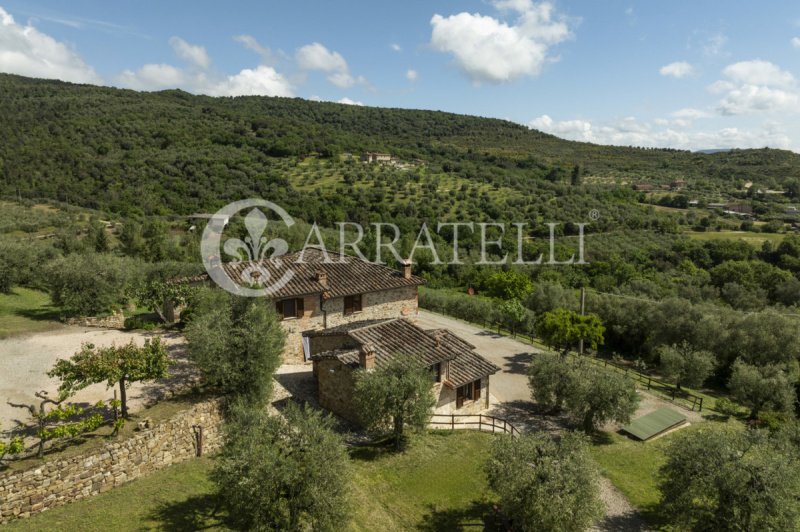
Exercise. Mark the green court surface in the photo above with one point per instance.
(654, 423)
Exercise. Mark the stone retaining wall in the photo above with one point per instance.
(115, 321)
(54, 483)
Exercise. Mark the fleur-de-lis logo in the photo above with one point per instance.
(254, 280)
(255, 246)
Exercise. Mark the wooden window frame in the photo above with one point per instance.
(299, 308)
(468, 392)
(352, 304)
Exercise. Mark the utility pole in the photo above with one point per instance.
(583, 313)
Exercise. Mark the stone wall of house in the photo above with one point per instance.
(335, 387)
(50, 484)
(446, 400)
(397, 303)
(115, 321)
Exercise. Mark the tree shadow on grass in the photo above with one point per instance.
(200, 512)
(46, 313)
(479, 515)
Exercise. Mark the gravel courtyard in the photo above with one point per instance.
(25, 361)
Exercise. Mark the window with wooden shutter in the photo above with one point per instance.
(476, 390)
(352, 304)
(290, 308)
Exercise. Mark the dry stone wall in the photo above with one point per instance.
(58, 482)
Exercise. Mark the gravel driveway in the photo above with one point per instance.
(25, 361)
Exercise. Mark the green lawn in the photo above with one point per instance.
(437, 484)
(26, 311)
(754, 239)
(632, 466)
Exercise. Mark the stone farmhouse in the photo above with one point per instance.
(325, 293)
(459, 376)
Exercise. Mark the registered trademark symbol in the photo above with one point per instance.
(594, 214)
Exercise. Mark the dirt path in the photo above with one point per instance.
(25, 361)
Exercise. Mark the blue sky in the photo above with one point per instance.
(682, 74)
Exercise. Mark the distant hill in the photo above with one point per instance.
(172, 152)
(713, 151)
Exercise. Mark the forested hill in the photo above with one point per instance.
(172, 152)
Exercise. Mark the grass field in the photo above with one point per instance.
(26, 311)
(754, 239)
(437, 484)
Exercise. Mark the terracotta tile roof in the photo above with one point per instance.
(346, 275)
(396, 338)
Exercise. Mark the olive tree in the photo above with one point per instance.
(590, 395)
(729, 479)
(282, 472)
(545, 483)
(394, 396)
(761, 387)
(236, 342)
(685, 365)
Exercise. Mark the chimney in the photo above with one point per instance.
(406, 268)
(366, 357)
(322, 278)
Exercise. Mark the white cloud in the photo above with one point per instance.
(678, 69)
(152, 77)
(492, 50)
(759, 72)
(756, 87)
(315, 56)
(663, 134)
(412, 75)
(251, 43)
(260, 81)
(796, 42)
(346, 80)
(396, 47)
(753, 98)
(26, 51)
(348, 101)
(196, 55)
(690, 113)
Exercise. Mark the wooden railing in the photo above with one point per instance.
(482, 422)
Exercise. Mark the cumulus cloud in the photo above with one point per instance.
(796, 42)
(678, 69)
(759, 73)
(26, 51)
(496, 51)
(663, 134)
(315, 56)
(263, 80)
(153, 76)
(756, 86)
(191, 53)
(259, 81)
(412, 74)
(348, 101)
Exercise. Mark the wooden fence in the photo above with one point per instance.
(482, 422)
